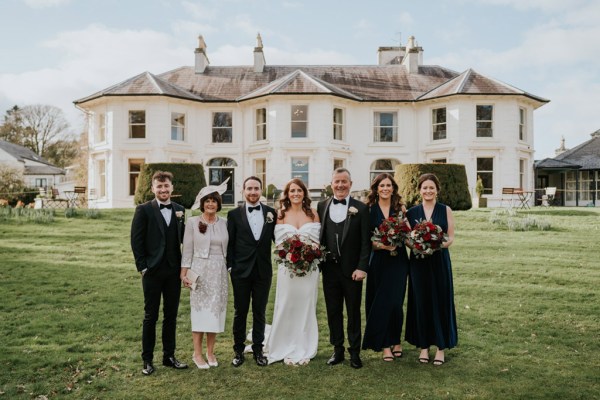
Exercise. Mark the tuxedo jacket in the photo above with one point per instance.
(148, 234)
(243, 251)
(355, 246)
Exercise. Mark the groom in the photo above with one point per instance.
(250, 229)
(346, 236)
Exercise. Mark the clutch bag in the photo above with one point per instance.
(193, 277)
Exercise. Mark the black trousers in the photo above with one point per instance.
(339, 289)
(162, 281)
(256, 289)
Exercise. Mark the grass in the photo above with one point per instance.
(527, 303)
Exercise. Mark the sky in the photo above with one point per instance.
(56, 51)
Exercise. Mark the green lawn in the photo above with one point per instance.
(528, 316)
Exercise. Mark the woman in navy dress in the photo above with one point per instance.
(386, 283)
(430, 316)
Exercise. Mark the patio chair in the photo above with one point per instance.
(549, 196)
(507, 195)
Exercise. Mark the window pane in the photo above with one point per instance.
(439, 123)
(137, 131)
(338, 123)
(385, 129)
(484, 113)
(484, 121)
(300, 168)
(299, 121)
(485, 170)
(222, 135)
(137, 117)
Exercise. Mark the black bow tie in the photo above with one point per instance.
(336, 201)
(250, 209)
(169, 206)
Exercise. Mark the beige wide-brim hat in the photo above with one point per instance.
(206, 190)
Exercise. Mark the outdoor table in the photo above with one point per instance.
(524, 196)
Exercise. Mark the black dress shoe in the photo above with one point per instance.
(336, 358)
(174, 363)
(148, 368)
(238, 359)
(260, 359)
(356, 362)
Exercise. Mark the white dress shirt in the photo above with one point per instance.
(338, 212)
(255, 219)
(166, 212)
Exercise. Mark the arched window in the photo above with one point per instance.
(221, 162)
(383, 165)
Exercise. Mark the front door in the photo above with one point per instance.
(217, 176)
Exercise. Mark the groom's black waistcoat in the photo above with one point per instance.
(171, 253)
(333, 242)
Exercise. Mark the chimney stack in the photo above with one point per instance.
(259, 56)
(390, 55)
(413, 57)
(201, 57)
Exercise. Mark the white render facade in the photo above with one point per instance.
(305, 123)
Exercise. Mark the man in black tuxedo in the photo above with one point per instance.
(345, 233)
(156, 236)
(251, 227)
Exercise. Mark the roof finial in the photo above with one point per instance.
(259, 42)
(201, 43)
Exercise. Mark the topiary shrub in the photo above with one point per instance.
(188, 179)
(453, 179)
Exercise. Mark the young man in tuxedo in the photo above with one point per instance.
(156, 236)
(345, 233)
(250, 228)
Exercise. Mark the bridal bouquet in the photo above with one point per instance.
(426, 238)
(300, 255)
(392, 232)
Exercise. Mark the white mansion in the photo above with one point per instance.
(284, 121)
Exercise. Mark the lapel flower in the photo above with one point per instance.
(179, 214)
(269, 217)
(352, 211)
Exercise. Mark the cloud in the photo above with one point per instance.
(199, 11)
(41, 4)
(92, 59)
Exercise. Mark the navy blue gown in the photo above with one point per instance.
(430, 314)
(386, 287)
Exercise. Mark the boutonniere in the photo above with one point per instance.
(269, 217)
(352, 211)
(179, 215)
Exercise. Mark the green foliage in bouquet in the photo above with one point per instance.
(188, 179)
(453, 180)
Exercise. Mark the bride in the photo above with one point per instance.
(294, 333)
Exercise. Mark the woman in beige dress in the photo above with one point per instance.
(204, 250)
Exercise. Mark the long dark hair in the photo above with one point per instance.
(396, 200)
(285, 203)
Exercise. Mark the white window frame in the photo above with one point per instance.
(101, 137)
(177, 127)
(224, 128)
(134, 125)
(378, 128)
(135, 175)
(479, 131)
(338, 123)
(436, 124)
(298, 119)
(522, 124)
(485, 172)
(261, 126)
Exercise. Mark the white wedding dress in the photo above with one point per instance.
(294, 333)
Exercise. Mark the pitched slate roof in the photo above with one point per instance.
(43, 170)
(145, 84)
(587, 154)
(551, 163)
(375, 83)
(22, 154)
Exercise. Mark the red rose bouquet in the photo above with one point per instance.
(392, 231)
(300, 255)
(425, 238)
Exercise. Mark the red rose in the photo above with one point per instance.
(294, 258)
(309, 257)
(282, 253)
(297, 244)
(427, 237)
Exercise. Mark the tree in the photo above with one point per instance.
(35, 127)
(11, 182)
(62, 153)
(12, 129)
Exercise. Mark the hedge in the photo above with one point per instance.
(188, 179)
(453, 180)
